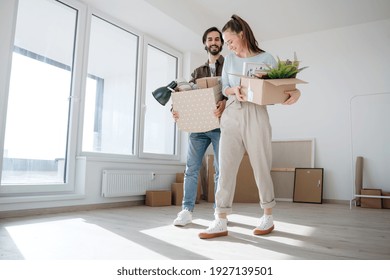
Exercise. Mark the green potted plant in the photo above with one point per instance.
(285, 69)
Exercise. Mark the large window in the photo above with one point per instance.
(77, 87)
(159, 127)
(109, 115)
(35, 145)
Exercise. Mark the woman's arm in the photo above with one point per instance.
(293, 96)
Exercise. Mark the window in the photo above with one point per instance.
(35, 144)
(159, 127)
(73, 89)
(110, 102)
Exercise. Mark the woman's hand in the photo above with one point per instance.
(220, 107)
(293, 96)
(235, 91)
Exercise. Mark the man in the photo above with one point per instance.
(199, 142)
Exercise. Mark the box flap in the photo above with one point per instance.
(282, 82)
(275, 82)
(208, 82)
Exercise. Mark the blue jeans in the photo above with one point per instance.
(197, 146)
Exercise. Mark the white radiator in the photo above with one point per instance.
(116, 183)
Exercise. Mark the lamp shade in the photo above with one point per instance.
(163, 94)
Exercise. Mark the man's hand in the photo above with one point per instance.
(220, 107)
(175, 115)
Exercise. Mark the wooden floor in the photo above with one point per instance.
(302, 231)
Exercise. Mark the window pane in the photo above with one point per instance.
(110, 91)
(159, 130)
(38, 104)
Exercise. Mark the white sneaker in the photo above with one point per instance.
(216, 216)
(183, 218)
(266, 225)
(216, 229)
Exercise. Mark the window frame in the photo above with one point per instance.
(169, 50)
(69, 186)
(6, 48)
(102, 155)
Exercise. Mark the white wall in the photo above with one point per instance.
(343, 63)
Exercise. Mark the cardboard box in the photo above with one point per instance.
(386, 201)
(196, 109)
(177, 193)
(180, 177)
(209, 171)
(367, 202)
(158, 198)
(199, 192)
(246, 188)
(269, 91)
(208, 82)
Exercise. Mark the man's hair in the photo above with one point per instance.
(211, 29)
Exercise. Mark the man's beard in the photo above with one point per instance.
(214, 49)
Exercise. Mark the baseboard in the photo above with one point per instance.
(335, 201)
(64, 209)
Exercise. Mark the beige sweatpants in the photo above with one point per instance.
(244, 127)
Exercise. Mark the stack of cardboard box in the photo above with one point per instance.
(246, 189)
(367, 202)
(177, 190)
(386, 201)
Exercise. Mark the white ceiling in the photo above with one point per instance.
(181, 23)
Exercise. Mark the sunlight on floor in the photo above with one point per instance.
(240, 244)
(284, 232)
(74, 239)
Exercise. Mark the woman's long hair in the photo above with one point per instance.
(236, 25)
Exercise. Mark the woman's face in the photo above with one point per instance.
(234, 41)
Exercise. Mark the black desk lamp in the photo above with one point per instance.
(163, 94)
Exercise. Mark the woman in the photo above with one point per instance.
(245, 126)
